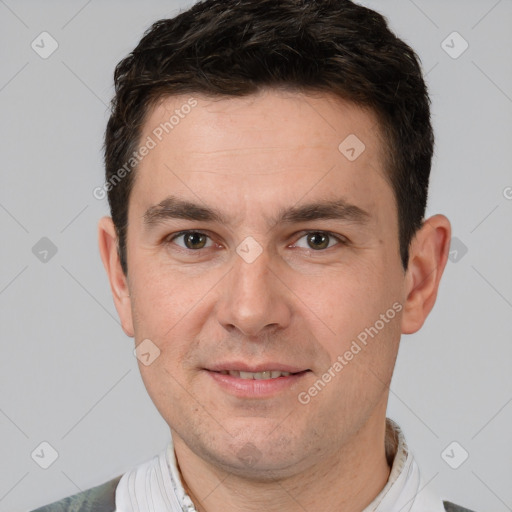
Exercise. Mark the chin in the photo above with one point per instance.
(258, 454)
(256, 466)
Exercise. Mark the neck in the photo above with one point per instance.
(347, 481)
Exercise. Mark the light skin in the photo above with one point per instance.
(256, 162)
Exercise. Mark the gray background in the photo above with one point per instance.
(67, 372)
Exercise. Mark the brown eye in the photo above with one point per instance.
(195, 240)
(191, 240)
(318, 240)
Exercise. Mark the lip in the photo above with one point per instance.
(251, 388)
(262, 367)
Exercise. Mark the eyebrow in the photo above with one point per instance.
(173, 207)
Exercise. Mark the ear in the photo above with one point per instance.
(107, 240)
(428, 255)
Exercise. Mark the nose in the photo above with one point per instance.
(253, 300)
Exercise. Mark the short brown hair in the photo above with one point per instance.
(238, 47)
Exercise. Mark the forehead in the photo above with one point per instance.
(274, 146)
(272, 118)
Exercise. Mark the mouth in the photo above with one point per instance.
(264, 375)
(262, 381)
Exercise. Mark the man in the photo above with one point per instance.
(267, 166)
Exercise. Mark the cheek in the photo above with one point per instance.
(170, 308)
(345, 301)
(162, 294)
(346, 314)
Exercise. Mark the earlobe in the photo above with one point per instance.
(107, 241)
(428, 255)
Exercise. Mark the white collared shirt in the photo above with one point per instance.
(155, 486)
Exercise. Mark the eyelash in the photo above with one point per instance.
(339, 238)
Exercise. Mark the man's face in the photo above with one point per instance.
(273, 284)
